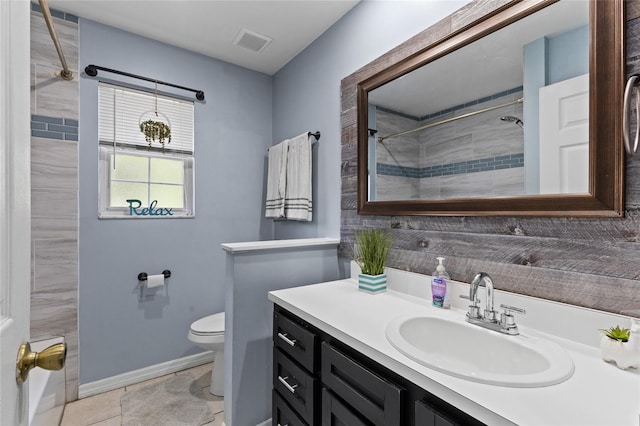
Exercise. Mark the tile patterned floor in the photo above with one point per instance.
(104, 409)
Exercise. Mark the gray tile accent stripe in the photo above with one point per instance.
(54, 127)
(453, 108)
(398, 113)
(56, 13)
(475, 102)
(461, 167)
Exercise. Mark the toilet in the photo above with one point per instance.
(208, 333)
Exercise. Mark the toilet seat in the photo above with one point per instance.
(209, 326)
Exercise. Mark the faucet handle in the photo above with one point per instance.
(474, 311)
(507, 320)
(509, 308)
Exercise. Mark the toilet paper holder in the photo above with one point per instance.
(142, 276)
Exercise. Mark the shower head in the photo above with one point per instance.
(512, 119)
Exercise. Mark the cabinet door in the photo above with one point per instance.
(298, 342)
(335, 413)
(376, 399)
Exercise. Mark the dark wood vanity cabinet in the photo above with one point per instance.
(318, 380)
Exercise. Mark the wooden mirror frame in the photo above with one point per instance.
(606, 153)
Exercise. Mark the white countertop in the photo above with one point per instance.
(597, 394)
(278, 244)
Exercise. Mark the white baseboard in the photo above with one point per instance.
(265, 423)
(137, 376)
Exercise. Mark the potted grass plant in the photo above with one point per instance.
(621, 346)
(372, 247)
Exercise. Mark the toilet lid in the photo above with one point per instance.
(212, 324)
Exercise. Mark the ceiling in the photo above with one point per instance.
(209, 27)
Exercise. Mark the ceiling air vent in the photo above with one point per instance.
(251, 40)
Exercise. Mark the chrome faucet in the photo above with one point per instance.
(489, 313)
(506, 324)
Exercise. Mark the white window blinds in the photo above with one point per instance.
(121, 110)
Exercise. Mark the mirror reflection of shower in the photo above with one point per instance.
(512, 119)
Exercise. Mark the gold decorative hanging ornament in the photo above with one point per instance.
(157, 128)
(156, 131)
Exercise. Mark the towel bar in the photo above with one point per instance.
(315, 135)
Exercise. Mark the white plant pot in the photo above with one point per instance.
(623, 354)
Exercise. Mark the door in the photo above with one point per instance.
(564, 136)
(15, 204)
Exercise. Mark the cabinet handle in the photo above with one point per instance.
(632, 84)
(286, 424)
(286, 339)
(283, 380)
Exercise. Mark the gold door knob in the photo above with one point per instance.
(51, 358)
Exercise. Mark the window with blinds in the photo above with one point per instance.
(141, 179)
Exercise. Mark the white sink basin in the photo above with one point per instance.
(471, 352)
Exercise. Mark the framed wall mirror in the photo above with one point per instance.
(518, 114)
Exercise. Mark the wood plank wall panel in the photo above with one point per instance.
(633, 9)
(587, 262)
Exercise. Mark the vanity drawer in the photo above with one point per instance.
(295, 385)
(335, 413)
(283, 415)
(376, 399)
(295, 340)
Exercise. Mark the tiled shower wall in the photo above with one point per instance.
(398, 159)
(54, 189)
(484, 158)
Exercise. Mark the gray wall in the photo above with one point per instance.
(249, 321)
(569, 54)
(120, 328)
(306, 92)
(233, 131)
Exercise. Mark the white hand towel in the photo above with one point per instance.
(298, 200)
(276, 180)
